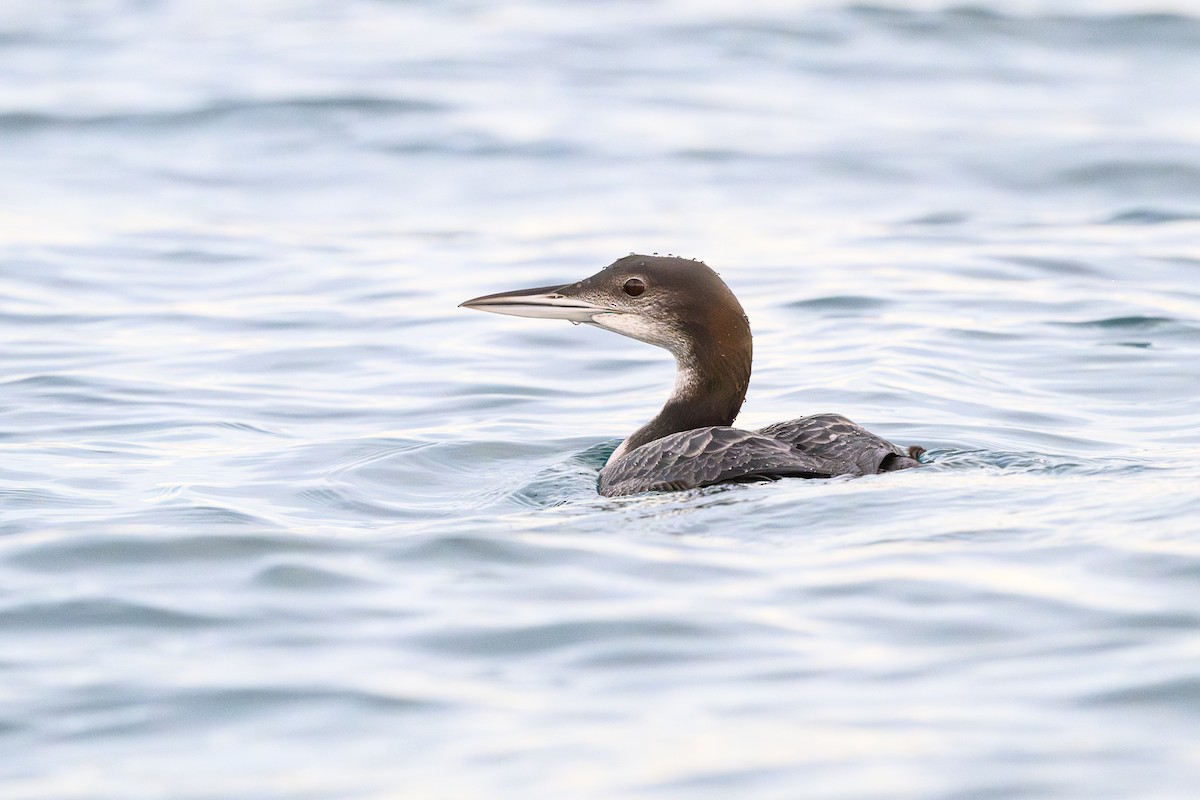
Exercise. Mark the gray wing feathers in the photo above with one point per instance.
(819, 446)
(850, 449)
(705, 456)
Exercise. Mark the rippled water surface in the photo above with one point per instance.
(278, 520)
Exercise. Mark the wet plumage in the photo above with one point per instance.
(685, 307)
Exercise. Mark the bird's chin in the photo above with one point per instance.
(636, 327)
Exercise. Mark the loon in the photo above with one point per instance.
(684, 306)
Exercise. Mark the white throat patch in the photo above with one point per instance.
(635, 326)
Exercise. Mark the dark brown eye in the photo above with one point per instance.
(634, 286)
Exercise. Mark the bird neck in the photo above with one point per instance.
(710, 387)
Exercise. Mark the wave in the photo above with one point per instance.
(221, 111)
(1155, 31)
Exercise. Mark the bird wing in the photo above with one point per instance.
(848, 448)
(705, 456)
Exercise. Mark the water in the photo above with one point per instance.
(278, 520)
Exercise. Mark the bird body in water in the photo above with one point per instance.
(685, 307)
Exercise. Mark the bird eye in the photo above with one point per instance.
(634, 286)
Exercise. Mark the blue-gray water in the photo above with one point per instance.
(278, 520)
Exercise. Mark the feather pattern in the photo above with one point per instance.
(849, 448)
(705, 456)
(817, 446)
